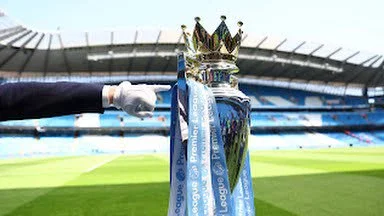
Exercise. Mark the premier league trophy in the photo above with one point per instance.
(210, 170)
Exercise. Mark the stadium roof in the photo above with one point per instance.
(26, 54)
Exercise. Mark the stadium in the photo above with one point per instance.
(317, 126)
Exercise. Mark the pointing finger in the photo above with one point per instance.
(159, 88)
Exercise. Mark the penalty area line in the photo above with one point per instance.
(100, 164)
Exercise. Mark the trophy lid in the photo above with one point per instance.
(211, 57)
(220, 46)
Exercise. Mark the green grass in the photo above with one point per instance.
(301, 182)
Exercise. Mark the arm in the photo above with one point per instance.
(37, 100)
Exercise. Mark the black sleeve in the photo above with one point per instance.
(37, 100)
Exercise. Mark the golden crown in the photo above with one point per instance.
(219, 46)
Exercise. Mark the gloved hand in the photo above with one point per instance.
(137, 100)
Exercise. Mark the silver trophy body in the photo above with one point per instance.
(211, 61)
(234, 109)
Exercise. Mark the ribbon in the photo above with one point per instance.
(243, 192)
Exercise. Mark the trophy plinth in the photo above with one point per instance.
(211, 60)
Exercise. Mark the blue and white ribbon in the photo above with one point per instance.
(243, 192)
(199, 183)
(178, 164)
(220, 181)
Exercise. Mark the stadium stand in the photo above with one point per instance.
(265, 95)
(303, 95)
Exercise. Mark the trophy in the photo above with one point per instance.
(210, 173)
(211, 59)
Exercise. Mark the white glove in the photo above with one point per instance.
(137, 100)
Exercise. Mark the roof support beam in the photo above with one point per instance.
(315, 50)
(9, 44)
(130, 62)
(155, 50)
(89, 63)
(18, 38)
(14, 52)
(22, 47)
(46, 58)
(3, 37)
(110, 64)
(367, 60)
(261, 42)
(10, 29)
(376, 60)
(65, 57)
(279, 45)
(351, 56)
(298, 47)
(32, 51)
(333, 53)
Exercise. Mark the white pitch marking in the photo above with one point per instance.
(100, 164)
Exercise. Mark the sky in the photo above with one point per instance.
(353, 24)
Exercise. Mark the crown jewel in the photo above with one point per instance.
(219, 46)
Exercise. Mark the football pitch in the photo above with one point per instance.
(298, 182)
